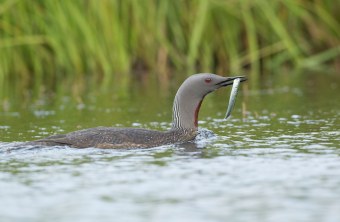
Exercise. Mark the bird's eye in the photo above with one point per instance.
(207, 80)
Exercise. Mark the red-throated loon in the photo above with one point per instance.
(186, 106)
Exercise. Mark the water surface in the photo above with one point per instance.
(276, 159)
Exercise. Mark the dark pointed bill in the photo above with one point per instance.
(233, 94)
(230, 80)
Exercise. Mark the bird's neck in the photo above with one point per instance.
(185, 111)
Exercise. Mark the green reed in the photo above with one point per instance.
(45, 41)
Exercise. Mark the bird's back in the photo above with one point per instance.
(111, 137)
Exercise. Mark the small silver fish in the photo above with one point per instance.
(232, 98)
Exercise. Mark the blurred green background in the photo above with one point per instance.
(46, 44)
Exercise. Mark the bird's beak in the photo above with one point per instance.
(229, 81)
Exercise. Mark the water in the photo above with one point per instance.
(278, 161)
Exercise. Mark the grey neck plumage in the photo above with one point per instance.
(185, 108)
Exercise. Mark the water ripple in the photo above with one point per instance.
(257, 169)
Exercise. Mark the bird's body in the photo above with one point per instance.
(112, 137)
(186, 107)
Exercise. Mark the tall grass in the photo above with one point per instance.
(49, 40)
